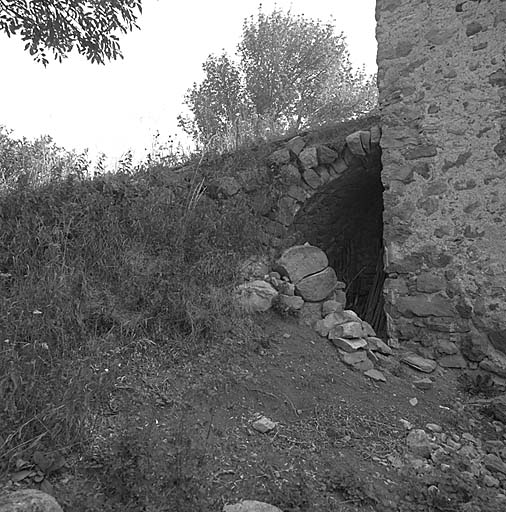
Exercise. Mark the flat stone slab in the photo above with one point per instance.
(349, 345)
(301, 261)
(419, 363)
(378, 345)
(317, 287)
(452, 361)
(426, 305)
(375, 375)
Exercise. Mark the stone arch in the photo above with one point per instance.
(331, 197)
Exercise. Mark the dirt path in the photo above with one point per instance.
(183, 439)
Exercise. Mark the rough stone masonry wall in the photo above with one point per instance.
(442, 82)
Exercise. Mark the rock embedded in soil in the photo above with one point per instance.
(251, 506)
(301, 261)
(452, 361)
(264, 425)
(317, 287)
(310, 313)
(424, 384)
(420, 363)
(28, 500)
(290, 302)
(419, 443)
(256, 296)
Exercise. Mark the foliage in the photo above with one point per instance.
(91, 271)
(291, 73)
(61, 25)
(26, 162)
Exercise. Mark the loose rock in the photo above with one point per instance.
(300, 261)
(251, 506)
(256, 296)
(264, 424)
(419, 363)
(28, 500)
(375, 375)
(318, 286)
(349, 345)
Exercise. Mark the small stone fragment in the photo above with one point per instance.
(424, 384)
(264, 424)
(433, 427)
(375, 375)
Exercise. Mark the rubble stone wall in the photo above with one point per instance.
(442, 84)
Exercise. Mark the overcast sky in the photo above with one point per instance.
(120, 106)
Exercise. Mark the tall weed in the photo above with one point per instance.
(90, 267)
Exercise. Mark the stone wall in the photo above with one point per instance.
(442, 83)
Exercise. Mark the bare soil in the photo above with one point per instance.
(180, 438)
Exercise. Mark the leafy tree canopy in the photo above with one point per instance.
(58, 26)
(291, 72)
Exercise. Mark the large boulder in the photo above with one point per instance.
(301, 261)
(28, 500)
(256, 296)
(317, 287)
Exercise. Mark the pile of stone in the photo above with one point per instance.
(430, 451)
(303, 283)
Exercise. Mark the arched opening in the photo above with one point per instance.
(345, 219)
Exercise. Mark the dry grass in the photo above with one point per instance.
(91, 271)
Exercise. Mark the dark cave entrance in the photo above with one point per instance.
(345, 219)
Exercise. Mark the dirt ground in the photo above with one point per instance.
(181, 438)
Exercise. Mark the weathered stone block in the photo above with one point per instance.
(296, 145)
(426, 305)
(300, 261)
(347, 330)
(319, 286)
(309, 158)
(348, 344)
(326, 155)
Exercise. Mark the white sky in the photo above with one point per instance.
(120, 106)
